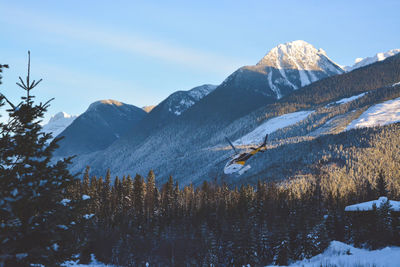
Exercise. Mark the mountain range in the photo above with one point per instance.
(361, 62)
(295, 92)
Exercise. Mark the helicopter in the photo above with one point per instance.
(238, 161)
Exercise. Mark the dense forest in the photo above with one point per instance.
(134, 221)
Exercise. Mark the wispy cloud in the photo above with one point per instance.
(130, 43)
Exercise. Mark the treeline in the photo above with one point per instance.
(134, 221)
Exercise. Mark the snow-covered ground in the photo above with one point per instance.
(394, 205)
(395, 84)
(343, 255)
(349, 99)
(379, 114)
(93, 263)
(346, 100)
(337, 254)
(258, 134)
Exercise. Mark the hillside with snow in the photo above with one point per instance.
(244, 109)
(343, 255)
(378, 115)
(258, 134)
(180, 101)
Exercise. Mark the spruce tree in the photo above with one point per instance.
(35, 216)
(150, 195)
(381, 186)
(86, 181)
(138, 195)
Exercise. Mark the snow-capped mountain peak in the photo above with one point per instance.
(287, 67)
(361, 62)
(60, 116)
(58, 123)
(299, 55)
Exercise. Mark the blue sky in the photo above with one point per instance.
(140, 52)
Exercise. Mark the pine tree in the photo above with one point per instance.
(138, 195)
(381, 186)
(168, 197)
(150, 195)
(86, 181)
(35, 216)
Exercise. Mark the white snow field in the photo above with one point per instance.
(394, 205)
(343, 255)
(380, 114)
(349, 99)
(258, 134)
(346, 100)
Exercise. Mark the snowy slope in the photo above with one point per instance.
(58, 123)
(395, 205)
(343, 255)
(349, 99)
(379, 114)
(346, 100)
(258, 134)
(180, 101)
(361, 62)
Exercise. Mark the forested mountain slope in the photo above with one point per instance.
(101, 124)
(193, 148)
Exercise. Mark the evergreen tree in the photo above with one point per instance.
(138, 195)
(381, 186)
(150, 195)
(384, 224)
(86, 181)
(35, 215)
(167, 196)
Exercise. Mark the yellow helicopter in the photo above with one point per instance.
(237, 164)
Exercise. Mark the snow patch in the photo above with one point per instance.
(88, 216)
(341, 254)
(258, 134)
(364, 206)
(378, 115)
(65, 201)
(395, 84)
(346, 100)
(93, 263)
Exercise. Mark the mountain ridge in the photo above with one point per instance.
(101, 124)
